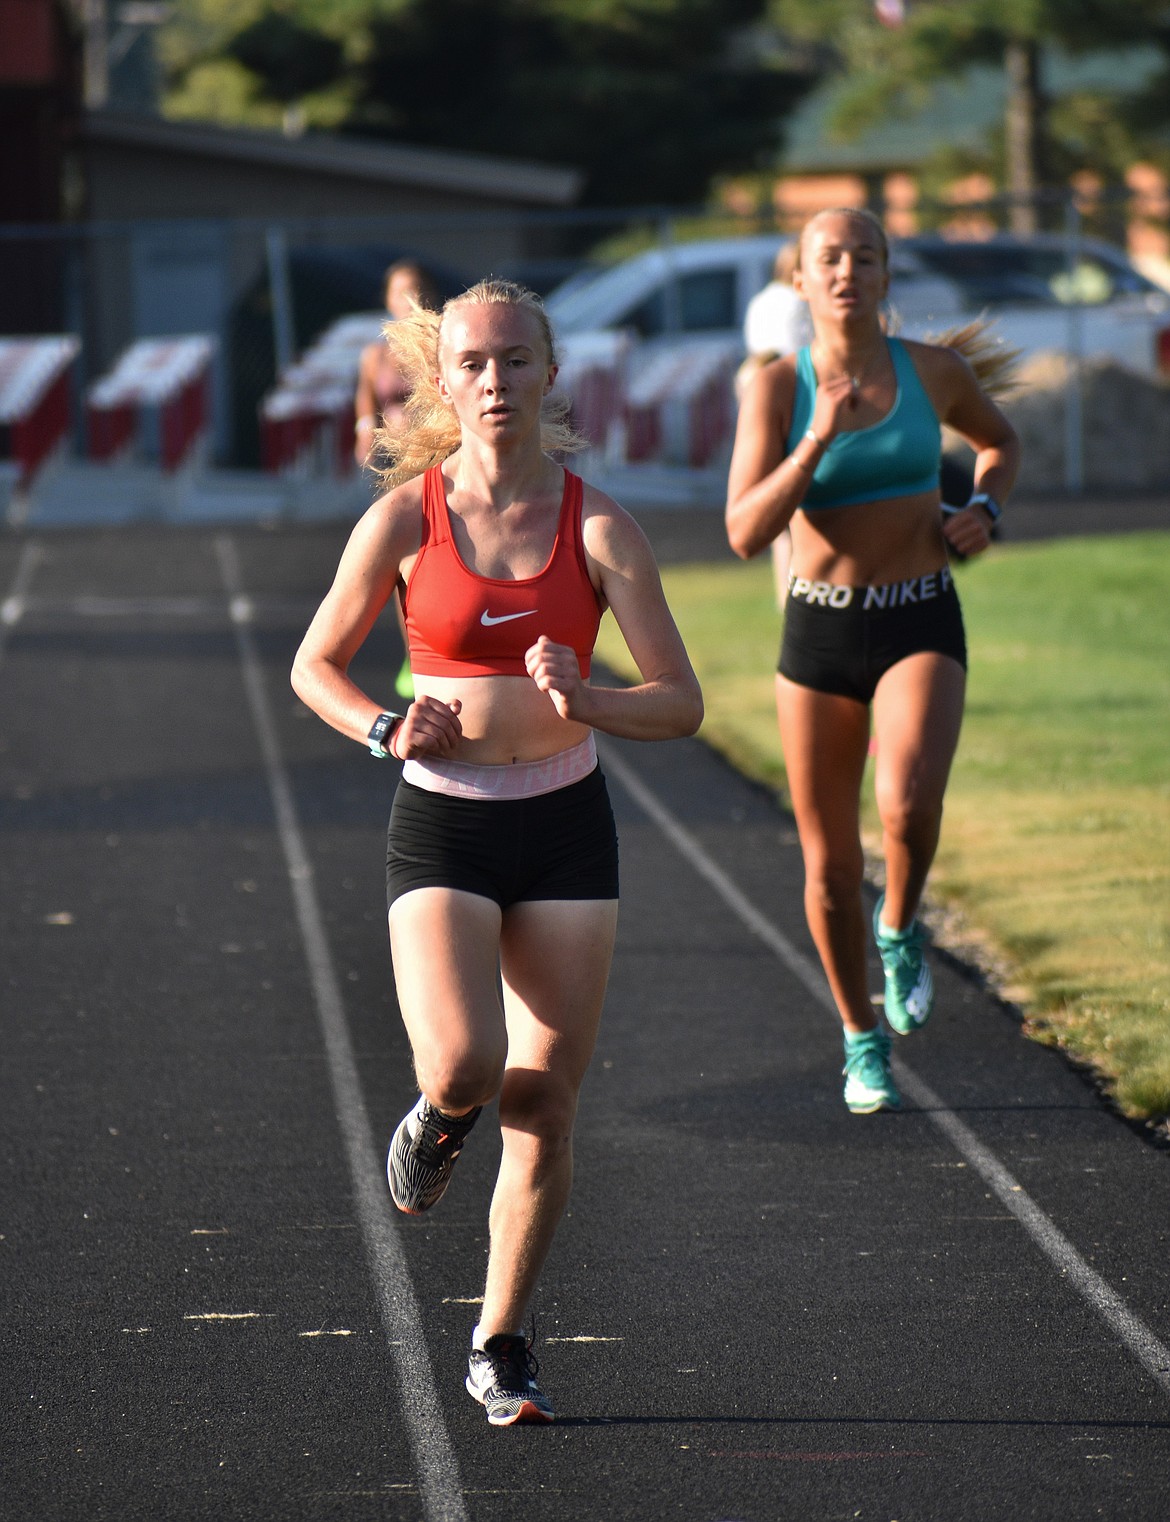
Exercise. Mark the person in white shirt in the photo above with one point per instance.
(776, 323)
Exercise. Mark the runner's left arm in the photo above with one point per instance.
(667, 702)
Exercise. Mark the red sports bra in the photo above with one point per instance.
(462, 624)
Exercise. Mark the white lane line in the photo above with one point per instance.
(12, 609)
(15, 606)
(1150, 1352)
(134, 607)
(434, 1457)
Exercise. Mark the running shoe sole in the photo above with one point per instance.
(397, 1160)
(527, 1412)
(418, 1168)
(872, 1103)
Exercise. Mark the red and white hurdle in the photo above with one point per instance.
(155, 404)
(35, 401)
(306, 420)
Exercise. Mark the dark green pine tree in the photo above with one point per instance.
(652, 99)
(288, 56)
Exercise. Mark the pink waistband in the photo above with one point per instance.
(525, 779)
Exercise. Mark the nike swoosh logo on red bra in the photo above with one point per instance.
(487, 619)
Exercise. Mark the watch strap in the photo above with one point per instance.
(989, 505)
(382, 732)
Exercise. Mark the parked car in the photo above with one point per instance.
(1039, 300)
(1095, 304)
(700, 287)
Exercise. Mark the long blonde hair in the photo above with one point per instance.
(430, 431)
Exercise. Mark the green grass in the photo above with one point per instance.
(1054, 868)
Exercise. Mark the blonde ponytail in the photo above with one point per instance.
(995, 363)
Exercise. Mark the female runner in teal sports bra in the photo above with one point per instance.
(842, 443)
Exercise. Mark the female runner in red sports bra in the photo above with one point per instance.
(502, 857)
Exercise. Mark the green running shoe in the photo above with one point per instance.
(909, 985)
(868, 1085)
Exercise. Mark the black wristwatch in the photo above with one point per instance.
(382, 732)
(989, 505)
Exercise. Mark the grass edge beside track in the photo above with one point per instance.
(1056, 846)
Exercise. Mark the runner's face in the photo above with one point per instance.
(843, 270)
(494, 368)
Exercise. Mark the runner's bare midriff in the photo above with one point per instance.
(505, 719)
(870, 543)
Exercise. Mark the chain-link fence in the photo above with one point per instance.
(265, 293)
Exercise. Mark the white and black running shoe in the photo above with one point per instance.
(501, 1376)
(422, 1154)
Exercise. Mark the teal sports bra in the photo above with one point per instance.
(896, 457)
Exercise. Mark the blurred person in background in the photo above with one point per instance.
(777, 320)
(382, 391)
(502, 870)
(776, 323)
(842, 442)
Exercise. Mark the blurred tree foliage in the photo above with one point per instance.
(890, 69)
(244, 61)
(652, 99)
(290, 59)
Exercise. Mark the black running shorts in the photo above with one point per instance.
(844, 639)
(558, 845)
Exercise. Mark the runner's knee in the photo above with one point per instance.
(906, 818)
(834, 882)
(537, 1110)
(456, 1080)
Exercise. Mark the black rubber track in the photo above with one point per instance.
(759, 1309)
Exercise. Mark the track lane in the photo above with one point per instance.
(191, 1330)
(760, 1306)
